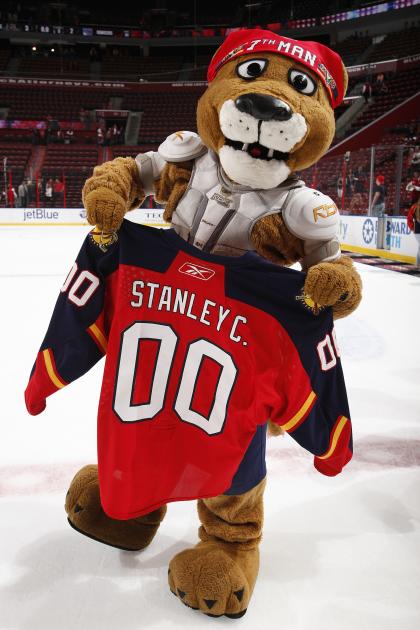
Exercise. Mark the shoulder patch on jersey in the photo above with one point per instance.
(308, 302)
(181, 146)
(103, 240)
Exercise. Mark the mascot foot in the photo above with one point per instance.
(85, 515)
(218, 575)
(214, 578)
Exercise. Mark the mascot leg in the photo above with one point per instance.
(218, 575)
(85, 514)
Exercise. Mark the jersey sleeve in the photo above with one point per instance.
(77, 334)
(313, 406)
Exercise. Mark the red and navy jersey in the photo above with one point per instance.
(201, 350)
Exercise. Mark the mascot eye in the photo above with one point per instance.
(302, 82)
(251, 69)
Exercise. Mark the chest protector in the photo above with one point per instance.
(217, 215)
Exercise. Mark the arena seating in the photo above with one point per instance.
(35, 103)
(4, 59)
(75, 163)
(351, 48)
(131, 151)
(132, 68)
(164, 113)
(400, 86)
(17, 160)
(200, 72)
(54, 67)
(397, 45)
(325, 174)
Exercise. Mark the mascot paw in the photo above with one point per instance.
(85, 514)
(214, 578)
(335, 284)
(113, 190)
(105, 209)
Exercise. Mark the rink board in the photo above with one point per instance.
(357, 233)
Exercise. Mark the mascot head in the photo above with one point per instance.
(268, 109)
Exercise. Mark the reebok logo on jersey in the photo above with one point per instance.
(196, 271)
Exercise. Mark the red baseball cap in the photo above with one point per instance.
(380, 178)
(323, 61)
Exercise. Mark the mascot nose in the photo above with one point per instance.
(263, 107)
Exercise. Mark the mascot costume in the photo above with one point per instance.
(233, 189)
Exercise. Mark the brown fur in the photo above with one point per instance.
(335, 284)
(114, 189)
(171, 186)
(315, 109)
(218, 575)
(272, 240)
(85, 513)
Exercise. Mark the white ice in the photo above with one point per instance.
(338, 553)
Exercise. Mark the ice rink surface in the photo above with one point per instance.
(338, 553)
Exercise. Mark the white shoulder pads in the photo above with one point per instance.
(311, 215)
(150, 165)
(181, 146)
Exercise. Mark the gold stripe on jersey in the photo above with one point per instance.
(336, 436)
(50, 369)
(299, 415)
(99, 337)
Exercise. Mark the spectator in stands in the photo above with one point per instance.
(22, 195)
(415, 159)
(108, 137)
(39, 188)
(367, 91)
(100, 136)
(31, 186)
(377, 208)
(11, 197)
(349, 184)
(359, 180)
(380, 86)
(114, 134)
(339, 187)
(413, 222)
(69, 136)
(49, 192)
(413, 188)
(57, 194)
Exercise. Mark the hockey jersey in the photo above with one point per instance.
(201, 350)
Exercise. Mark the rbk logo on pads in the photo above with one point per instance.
(196, 271)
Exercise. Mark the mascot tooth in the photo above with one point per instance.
(268, 113)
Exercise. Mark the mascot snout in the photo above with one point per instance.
(259, 133)
(263, 106)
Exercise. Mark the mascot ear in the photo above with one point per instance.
(345, 80)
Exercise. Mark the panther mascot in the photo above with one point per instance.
(268, 113)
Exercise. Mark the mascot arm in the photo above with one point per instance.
(121, 185)
(332, 279)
